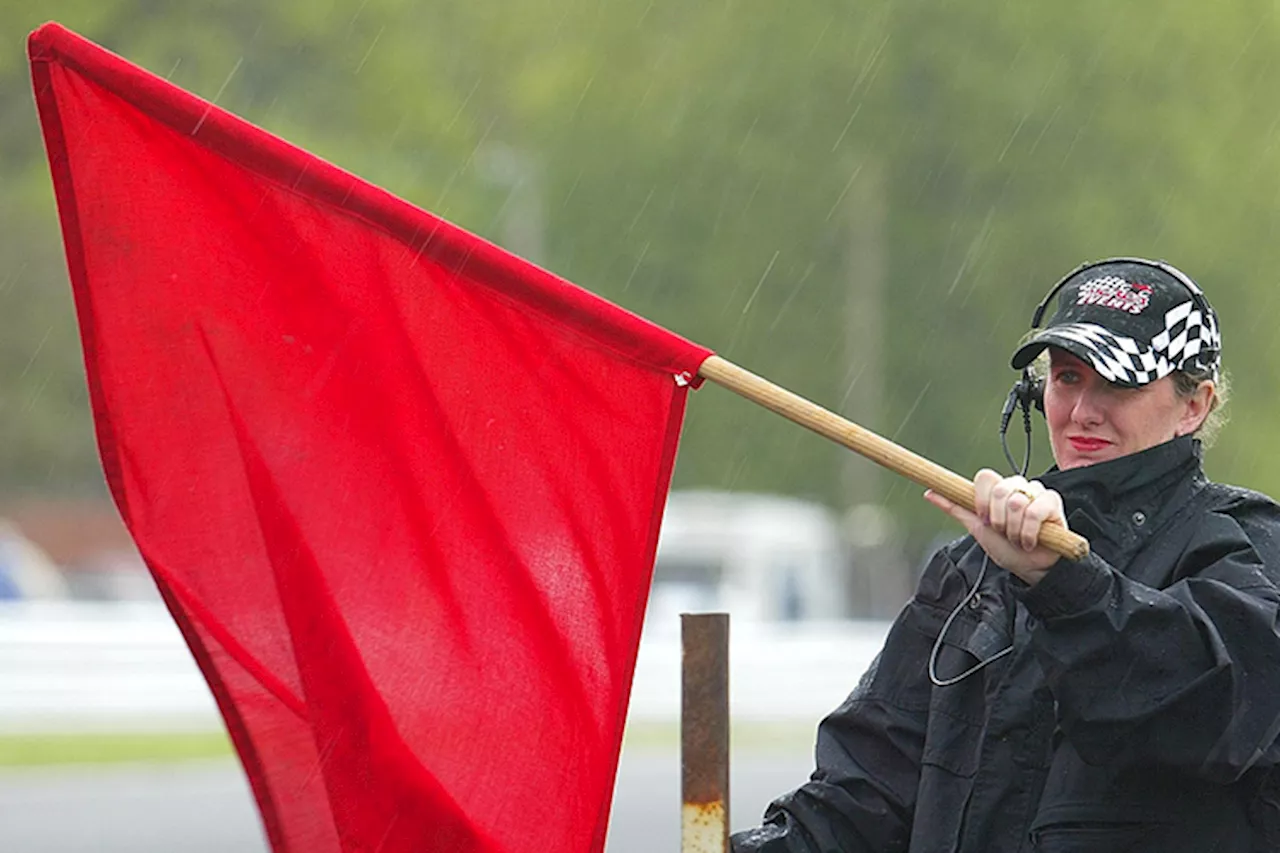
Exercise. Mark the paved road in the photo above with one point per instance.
(205, 807)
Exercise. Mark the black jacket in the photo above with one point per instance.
(1136, 709)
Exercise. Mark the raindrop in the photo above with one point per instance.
(36, 352)
(912, 410)
(644, 251)
(461, 107)
(847, 125)
(843, 192)
(369, 52)
(640, 212)
(30, 402)
(216, 96)
(587, 88)
(354, 17)
(1009, 144)
(760, 283)
(791, 296)
(747, 136)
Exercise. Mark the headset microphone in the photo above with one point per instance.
(1006, 413)
(1027, 392)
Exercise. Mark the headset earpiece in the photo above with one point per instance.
(1029, 391)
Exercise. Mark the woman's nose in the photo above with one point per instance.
(1088, 409)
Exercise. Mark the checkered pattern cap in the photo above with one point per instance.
(1134, 321)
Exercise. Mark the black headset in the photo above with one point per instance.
(1028, 391)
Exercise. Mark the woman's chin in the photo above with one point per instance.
(1072, 458)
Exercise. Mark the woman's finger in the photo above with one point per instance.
(983, 484)
(1016, 515)
(1046, 508)
(1009, 498)
(952, 509)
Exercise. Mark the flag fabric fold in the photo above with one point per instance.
(399, 488)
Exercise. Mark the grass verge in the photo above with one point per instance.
(32, 750)
(36, 750)
(744, 736)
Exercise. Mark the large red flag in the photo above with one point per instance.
(400, 489)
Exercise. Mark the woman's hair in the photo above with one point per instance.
(1185, 383)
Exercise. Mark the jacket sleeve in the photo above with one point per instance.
(1187, 676)
(861, 797)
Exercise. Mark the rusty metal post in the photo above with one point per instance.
(704, 733)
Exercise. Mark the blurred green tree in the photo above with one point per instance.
(711, 166)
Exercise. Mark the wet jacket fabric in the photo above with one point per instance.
(1127, 702)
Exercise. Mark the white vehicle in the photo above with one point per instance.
(763, 558)
(26, 572)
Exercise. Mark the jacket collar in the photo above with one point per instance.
(1119, 503)
(1118, 482)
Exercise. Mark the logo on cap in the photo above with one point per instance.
(1111, 291)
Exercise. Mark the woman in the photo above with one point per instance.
(1126, 702)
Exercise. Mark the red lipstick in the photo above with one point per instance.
(1085, 445)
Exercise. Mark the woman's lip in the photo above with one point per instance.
(1088, 443)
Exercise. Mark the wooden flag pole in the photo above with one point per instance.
(880, 450)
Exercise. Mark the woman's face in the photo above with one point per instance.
(1090, 420)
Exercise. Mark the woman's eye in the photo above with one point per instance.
(1066, 377)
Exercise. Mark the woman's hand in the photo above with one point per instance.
(1010, 512)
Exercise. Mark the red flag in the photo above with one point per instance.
(400, 489)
